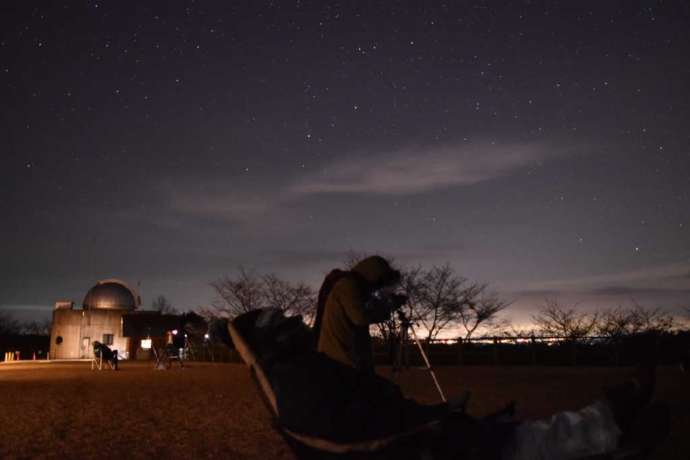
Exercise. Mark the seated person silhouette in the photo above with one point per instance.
(106, 354)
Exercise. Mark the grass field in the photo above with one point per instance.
(214, 410)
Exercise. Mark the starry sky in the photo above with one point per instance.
(540, 147)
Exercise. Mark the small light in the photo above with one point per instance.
(206, 336)
(174, 332)
(146, 344)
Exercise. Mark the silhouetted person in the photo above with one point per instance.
(350, 301)
(102, 351)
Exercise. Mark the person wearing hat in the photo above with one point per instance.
(350, 301)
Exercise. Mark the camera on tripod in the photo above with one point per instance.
(406, 324)
(390, 302)
(386, 301)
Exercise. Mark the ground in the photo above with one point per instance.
(215, 411)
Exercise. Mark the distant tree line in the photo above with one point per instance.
(439, 300)
(571, 324)
(11, 326)
(162, 305)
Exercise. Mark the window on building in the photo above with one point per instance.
(107, 339)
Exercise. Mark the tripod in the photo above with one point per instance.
(405, 325)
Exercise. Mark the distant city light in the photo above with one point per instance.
(146, 344)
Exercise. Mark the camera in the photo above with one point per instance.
(386, 301)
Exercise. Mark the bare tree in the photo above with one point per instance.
(239, 294)
(292, 298)
(411, 283)
(35, 327)
(249, 290)
(8, 325)
(208, 312)
(614, 322)
(481, 312)
(619, 321)
(556, 320)
(163, 305)
(388, 330)
(650, 319)
(440, 298)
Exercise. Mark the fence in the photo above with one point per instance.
(212, 353)
(502, 350)
(670, 348)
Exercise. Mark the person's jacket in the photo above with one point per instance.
(344, 334)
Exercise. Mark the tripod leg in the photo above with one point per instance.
(397, 360)
(405, 360)
(428, 365)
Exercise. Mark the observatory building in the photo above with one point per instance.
(107, 314)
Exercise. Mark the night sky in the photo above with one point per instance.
(541, 148)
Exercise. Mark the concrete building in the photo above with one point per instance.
(100, 318)
(110, 314)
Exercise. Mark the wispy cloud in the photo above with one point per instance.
(668, 276)
(405, 171)
(667, 284)
(638, 291)
(420, 169)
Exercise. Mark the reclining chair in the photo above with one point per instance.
(243, 333)
(427, 440)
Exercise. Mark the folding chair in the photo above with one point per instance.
(97, 360)
(165, 356)
(97, 363)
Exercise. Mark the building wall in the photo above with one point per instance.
(99, 322)
(80, 328)
(67, 325)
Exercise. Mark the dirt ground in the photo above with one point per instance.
(214, 410)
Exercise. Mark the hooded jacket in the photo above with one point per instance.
(344, 330)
